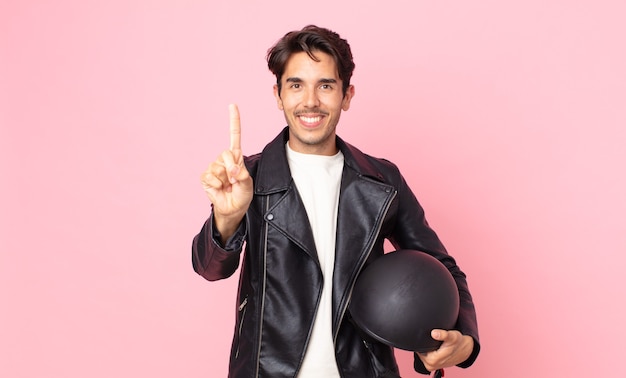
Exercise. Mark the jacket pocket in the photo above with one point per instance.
(242, 314)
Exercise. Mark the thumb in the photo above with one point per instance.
(233, 174)
(439, 334)
(239, 174)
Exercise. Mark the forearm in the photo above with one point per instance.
(226, 227)
(214, 259)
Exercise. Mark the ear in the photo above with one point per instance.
(345, 103)
(279, 101)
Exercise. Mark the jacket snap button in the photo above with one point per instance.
(270, 216)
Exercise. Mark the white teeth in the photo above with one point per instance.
(311, 119)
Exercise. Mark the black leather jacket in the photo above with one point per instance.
(281, 281)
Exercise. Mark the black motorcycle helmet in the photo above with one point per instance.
(403, 295)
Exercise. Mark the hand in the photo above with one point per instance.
(227, 182)
(456, 348)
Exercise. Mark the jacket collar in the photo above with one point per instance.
(273, 169)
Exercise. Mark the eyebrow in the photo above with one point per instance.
(320, 81)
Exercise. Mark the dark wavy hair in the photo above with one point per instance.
(311, 39)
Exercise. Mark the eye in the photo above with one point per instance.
(326, 86)
(295, 86)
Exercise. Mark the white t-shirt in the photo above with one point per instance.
(318, 179)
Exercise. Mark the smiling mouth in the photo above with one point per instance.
(306, 119)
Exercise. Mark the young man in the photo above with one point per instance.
(313, 211)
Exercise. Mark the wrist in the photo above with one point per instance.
(474, 350)
(226, 226)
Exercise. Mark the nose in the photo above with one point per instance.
(311, 99)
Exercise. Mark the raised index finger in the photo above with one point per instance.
(235, 128)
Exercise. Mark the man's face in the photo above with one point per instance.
(312, 100)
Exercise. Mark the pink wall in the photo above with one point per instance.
(507, 118)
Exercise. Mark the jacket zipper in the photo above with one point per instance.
(258, 356)
(242, 314)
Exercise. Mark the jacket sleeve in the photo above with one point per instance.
(412, 231)
(209, 258)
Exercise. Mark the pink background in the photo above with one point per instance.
(508, 119)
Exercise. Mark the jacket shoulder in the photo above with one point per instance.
(368, 165)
